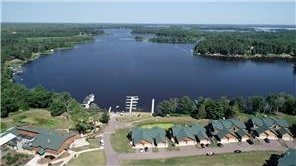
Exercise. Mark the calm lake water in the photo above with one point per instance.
(116, 65)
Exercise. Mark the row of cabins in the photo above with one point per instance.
(37, 140)
(224, 131)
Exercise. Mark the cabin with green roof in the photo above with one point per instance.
(228, 130)
(271, 128)
(145, 137)
(189, 135)
(41, 140)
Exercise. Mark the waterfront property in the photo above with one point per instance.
(228, 130)
(40, 141)
(270, 128)
(148, 137)
(189, 135)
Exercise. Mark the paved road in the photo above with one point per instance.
(114, 158)
(193, 151)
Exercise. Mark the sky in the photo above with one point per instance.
(150, 11)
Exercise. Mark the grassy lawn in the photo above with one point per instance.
(135, 117)
(120, 142)
(95, 158)
(173, 120)
(161, 125)
(36, 117)
(244, 159)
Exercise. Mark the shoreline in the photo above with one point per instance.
(248, 57)
(16, 65)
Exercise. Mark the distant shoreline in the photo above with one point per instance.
(251, 57)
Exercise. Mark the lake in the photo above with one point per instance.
(116, 65)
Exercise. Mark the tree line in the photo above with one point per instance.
(228, 43)
(247, 43)
(22, 41)
(227, 108)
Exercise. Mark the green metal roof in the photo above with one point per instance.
(189, 132)
(268, 122)
(281, 122)
(241, 132)
(155, 133)
(41, 151)
(222, 133)
(217, 125)
(262, 129)
(227, 124)
(283, 131)
(45, 139)
(238, 123)
(289, 159)
(257, 121)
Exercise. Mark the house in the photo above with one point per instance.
(228, 130)
(271, 128)
(285, 134)
(5, 138)
(288, 159)
(189, 135)
(40, 141)
(154, 137)
(200, 134)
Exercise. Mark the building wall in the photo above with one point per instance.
(28, 133)
(271, 135)
(162, 145)
(186, 142)
(139, 145)
(204, 141)
(244, 138)
(262, 136)
(287, 137)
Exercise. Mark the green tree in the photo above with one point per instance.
(167, 106)
(257, 103)
(215, 110)
(105, 117)
(82, 127)
(39, 97)
(186, 105)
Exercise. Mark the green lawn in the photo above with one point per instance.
(174, 120)
(135, 117)
(36, 117)
(120, 142)
(243, 159)
(95, 158)
(161, 125)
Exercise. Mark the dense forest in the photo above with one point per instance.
(23, 42)
(245, 42)
(224, 107)
(248, 43)
(170, 35)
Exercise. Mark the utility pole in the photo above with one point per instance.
(152, 107)
(131, 103)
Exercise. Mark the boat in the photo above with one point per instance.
(88, 100)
